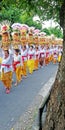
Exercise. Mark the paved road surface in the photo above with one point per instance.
(13, 105)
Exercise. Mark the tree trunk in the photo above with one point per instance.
(55, 119)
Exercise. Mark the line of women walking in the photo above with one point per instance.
(23, 59)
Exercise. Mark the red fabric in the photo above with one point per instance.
(30, 56)
(47, 54)
(15, 63)
(42, 53)
(23, 58)
(37, 56)
(4, 28)
(6, 65)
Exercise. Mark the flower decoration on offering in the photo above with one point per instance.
(15, 37)
(25, 26)
(23, 29)
(5, 35)
(35, 38)
(42, 39)
(60, 41)
(42, 33)
(48, 40)
(16, 26)
(23, 32)
(52, 39)
(5, 48)
(30, 35)
(31, 29)
(15, 47)
(36, 31)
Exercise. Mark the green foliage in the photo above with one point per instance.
(44, 8)
(14, 10)
(26, 19)
(55, 30)
(11, 14)
(14, 14)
